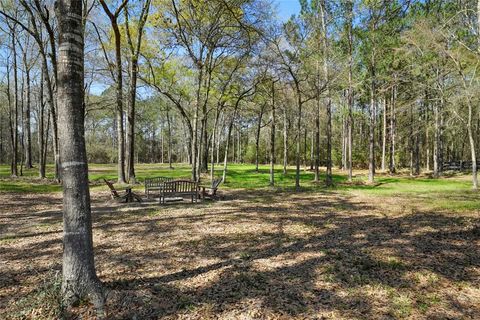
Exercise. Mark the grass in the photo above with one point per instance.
(448, 193)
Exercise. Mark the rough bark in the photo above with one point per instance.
(79, 279)
(272, 139)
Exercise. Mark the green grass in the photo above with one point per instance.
(452, 193)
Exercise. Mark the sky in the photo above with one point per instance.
(287, 7)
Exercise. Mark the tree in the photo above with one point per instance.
(79, 279)
(113, 16)
(134, 48)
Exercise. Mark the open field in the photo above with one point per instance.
(402, 249)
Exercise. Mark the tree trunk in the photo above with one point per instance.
(14, 169)
(285, 140)
(312, 151)
(119, 103)
(272, 139)
(257, 137)
(214, 137)
(26, 117)
(349, 12)
(317, 137)
(169, 141)
(132, 93)
(41, 131)
(119, 90)
(371, 140)
(384, 133)
(328, 177)
(134, 53)
(393, 123)
(227, 143)
(79, 278)
(299, 132)
(436, 142)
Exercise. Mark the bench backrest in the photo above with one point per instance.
(156, 181)
(216, 183)
(179, 186)
(112, 188)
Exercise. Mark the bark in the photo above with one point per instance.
(257, 136)
(436, 142)
(227, 142)
(328, 178)
(51, 87)
(285, 140)
(79, 278)
(169, 140)
(317, 136)
(14, 169)
(371, 139)
(27, 132)
(119, 88)
(214, 137)
(132, 90)
(350, 86)
(272, 139)
(384, 133)
(312, 151)
(299, 132)
(393, 129)
(41, 132)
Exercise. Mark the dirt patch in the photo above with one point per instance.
(278, 256)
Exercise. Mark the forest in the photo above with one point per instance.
(341, 135)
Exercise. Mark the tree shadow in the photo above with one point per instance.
(287, 255)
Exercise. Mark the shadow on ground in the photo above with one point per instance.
(278, 255)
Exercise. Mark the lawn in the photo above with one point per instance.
(403, 248)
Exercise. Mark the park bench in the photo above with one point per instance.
(211, 192)
(129, 196)
(154, 184)
(179, 188)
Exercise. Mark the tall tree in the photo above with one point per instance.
(134, 49)
(113, 16)
(79, 278)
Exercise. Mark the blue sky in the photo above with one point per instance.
(287, 7)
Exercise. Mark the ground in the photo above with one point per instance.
(401, 249)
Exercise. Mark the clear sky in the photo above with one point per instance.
(287, 7)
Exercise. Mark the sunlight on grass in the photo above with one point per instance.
(449, 193)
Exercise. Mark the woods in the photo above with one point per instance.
(329, 95)
(404, 73)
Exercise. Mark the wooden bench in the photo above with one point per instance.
(211, 192)
(155, 184)
(178, 188)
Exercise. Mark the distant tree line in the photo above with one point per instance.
(380, 85)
